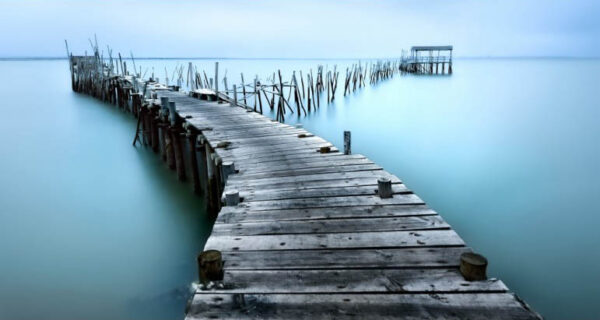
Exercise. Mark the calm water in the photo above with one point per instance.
(506, 150)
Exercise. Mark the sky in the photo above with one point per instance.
(301, 29)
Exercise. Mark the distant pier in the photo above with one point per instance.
(428, 60)
(303, 230)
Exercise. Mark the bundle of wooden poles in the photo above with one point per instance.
(300, 95)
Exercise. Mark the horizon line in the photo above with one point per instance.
(23, 58)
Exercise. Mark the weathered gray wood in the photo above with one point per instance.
(307, 185)
(278, 194)
(325, 177)
(330, 226)
(307, 171)
(475, 306)
(393, 239)
(327, 202)
(312, 224)
(240, 214)
(349, 281)
(315, 163)
(316, 259)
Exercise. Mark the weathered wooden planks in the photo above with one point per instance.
(316, 259)
(355, 280)
(239, 214)
(484, 306)
(378, 239)
(313, 239)
(330, 226)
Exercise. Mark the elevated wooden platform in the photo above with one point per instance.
(311, 238)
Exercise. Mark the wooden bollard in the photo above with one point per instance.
(473, 266)
(227, 168)
(347, 143)
(210, 266)
(384, 187)
(232, 198)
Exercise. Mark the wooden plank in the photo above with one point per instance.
(315, 163)
(239, 214)
(389, 258)
(307, 160)
(278, 194)
(305, 171)
(328, 202)
(273, 144)
(312, 145)
(393, 239)
(260, 158)
(354, 281)
(291, 181)
(308, 185)
(330, 226)
(453, 306)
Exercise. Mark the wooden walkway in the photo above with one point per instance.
(311, 238)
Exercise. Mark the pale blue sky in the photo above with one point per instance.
(305, 29)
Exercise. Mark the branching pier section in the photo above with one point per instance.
(303, 231)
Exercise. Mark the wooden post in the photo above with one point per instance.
(179, 156)
(212, 183)
(172, 113)
(227, 168)
(202, 166)
(347, 143)
(232, 198)
(154, 122)
(217, 81)
(473, 266)
(234, 101)
(384, 187)
(192, 141)
(210, 266)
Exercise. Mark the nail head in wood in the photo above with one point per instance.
(473, 266)
(232, 198)
(384, 187)
(210, 266)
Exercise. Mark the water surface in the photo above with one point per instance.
(90, 227)
(505, 150)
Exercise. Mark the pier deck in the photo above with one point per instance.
(312, 239)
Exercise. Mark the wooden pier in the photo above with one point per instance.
(304, 231)
(428, 60)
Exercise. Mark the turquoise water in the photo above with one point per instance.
(505, 150)
(90, 227)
